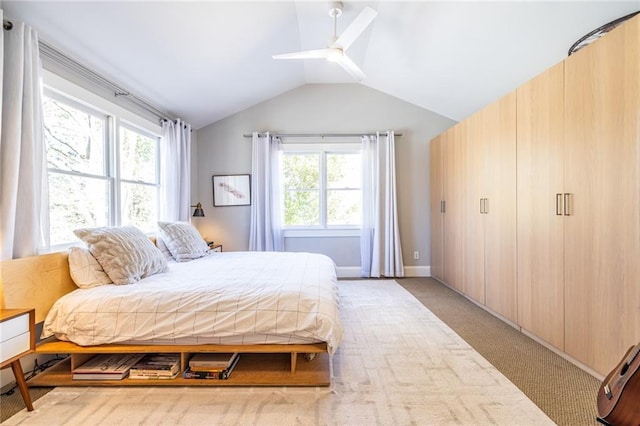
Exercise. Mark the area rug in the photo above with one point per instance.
(398, 365)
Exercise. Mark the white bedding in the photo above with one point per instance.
(233, 297)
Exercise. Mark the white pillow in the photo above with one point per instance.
(125, 253)
(85, 270)
(183, 240)
(164, 249)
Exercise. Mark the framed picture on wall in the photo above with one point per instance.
(231, 190)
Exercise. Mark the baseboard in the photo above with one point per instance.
(409, 271)
(562, 354)
(348, 271)
(417, 271)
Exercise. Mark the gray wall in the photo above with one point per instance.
(317, 108)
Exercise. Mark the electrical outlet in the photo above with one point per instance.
(416, 255)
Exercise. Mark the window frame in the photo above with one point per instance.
(65, 91)
(322, 149)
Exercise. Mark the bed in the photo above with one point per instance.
(280, 310)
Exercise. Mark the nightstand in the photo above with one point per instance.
(18, 338)
(215, 248)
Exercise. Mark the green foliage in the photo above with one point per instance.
(344, 207)
(301, 171)
(301, 208)
(302, 189)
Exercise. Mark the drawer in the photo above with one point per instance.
(13, 327)
(15, 346)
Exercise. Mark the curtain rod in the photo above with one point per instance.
(72, 65)
(319, 135)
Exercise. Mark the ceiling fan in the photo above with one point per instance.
(335, 51)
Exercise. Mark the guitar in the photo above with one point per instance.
(619, 394)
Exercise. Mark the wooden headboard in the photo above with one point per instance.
(35, 282)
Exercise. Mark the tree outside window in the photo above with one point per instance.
(321, 187)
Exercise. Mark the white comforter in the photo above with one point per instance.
(268, 297)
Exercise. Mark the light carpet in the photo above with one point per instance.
(398, 364)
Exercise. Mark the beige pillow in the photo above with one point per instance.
(183, 241)
(85, 270)
(125, 253)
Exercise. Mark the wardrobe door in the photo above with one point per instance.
(602, 233)
(436, 211)
(499, 142)
(473, 213)
(540, 135)
(454, 155)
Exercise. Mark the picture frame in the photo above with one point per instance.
(231, 190)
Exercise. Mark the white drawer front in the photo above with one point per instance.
(15, 346)
(13, 327)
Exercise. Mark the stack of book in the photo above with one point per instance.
(216, 366)
(106, 367)
(156, 367)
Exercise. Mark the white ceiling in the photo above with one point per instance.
(205, 60)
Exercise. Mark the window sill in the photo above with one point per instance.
(320, 233)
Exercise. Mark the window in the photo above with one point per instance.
(101, 170)
(138, 157)
(322, 186)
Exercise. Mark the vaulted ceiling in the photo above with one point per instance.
(205, 60)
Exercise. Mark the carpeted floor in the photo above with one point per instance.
(563, 391)
(398, 364)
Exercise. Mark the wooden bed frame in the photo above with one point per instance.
(38, 281)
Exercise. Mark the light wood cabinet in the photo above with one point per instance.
(602, 176)
(540, 216)
(436, 207)
(474, 223)
(446, 175)
(500, 208)
(454, 154)
(490, 202)
(565, 264)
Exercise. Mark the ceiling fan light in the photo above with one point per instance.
(335, 55)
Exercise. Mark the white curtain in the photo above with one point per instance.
(380, 250)
(175, 171)
(266, 229)
(23, 185)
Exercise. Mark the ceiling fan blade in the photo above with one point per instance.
(350, 67)
(356, 28)
(305, 54)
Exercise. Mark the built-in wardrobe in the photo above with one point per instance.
(535, 203)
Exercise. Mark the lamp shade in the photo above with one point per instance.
(198, 212)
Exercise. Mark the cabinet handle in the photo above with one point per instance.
(567, 206)
(558, 204)
(484, 202)
(443, 206)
